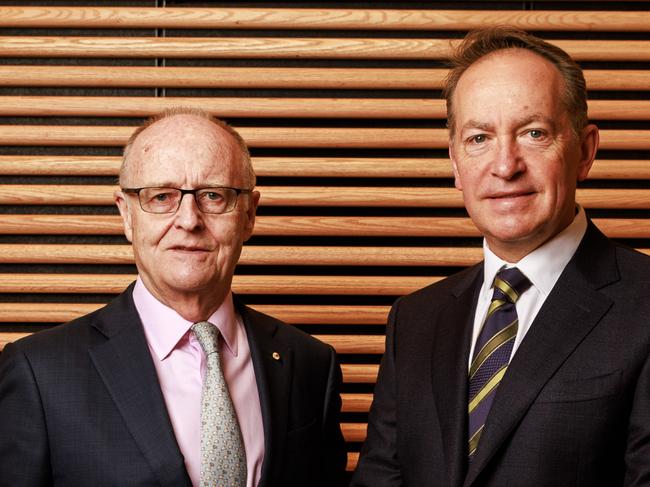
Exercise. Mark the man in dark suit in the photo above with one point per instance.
(132, 394)
(531, 368)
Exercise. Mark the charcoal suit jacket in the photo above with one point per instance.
(573, 408)
(81, 405)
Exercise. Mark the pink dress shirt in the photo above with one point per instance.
(180, 364)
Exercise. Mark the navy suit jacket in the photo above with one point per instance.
(81, 404)
(573, 408)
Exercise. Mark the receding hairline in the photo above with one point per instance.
(485, 42)
(247, 172)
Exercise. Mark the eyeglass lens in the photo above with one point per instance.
(167, 200)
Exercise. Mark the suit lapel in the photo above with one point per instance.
(124, 363)
(273, 365)
(449, 370)
(569, 313)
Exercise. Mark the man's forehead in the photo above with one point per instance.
(184, 145)
(505, 76)
(176, 128)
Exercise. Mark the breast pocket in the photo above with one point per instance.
(582, 388)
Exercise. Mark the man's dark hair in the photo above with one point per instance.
(480, 43)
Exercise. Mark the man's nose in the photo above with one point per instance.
(508, 161)
(188, 215)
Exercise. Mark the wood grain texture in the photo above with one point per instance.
(272, 77)
(285, 226)
(280, 255)
(115, 106)
(247, 284)
(354, 432)
(270, 137)
(356, 167)
(360, 373)
(254, 107)
(317, 196)
(294, 314)
(357, 344)
(356, 403)
(317, 19)
(235, 47)
(287, 47)
(285, 137)
(229, 77)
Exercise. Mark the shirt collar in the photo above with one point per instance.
(164, 328)
(544, 265)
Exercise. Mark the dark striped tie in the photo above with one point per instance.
(493, 349)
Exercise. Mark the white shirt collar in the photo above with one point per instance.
(544, 265)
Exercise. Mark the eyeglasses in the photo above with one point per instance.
(167, 200)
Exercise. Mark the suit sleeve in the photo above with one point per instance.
(24, 453)
(334, 457)
(637, 456)
(378, 463)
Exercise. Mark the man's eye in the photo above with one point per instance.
(477, 139)
(212, 195)
(161, 197)
(536, 134)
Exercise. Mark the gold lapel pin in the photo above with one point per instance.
(276, 356)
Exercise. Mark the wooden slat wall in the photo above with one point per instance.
(341, 107)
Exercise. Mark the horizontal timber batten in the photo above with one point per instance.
(255, 255)
(246, 284)
(252, 255)
(285, 137)
(293, 314)
(316, 196)
(273, 77)
(272, 137)
(328, 226)
(362, 108)
(317, 19)
(344, 344)
(365, 167)
(354, 432)
(287, 47)
(356, 403)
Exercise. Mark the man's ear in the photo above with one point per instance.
(454, 166)
(251, 210)
(123, 206)
(589, 139)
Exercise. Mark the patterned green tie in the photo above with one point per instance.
(223, 457)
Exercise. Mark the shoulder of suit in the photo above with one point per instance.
(633, 265)
(282, 330)
(441, 289)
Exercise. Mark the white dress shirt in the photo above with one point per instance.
(543, 267)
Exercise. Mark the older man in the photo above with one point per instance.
(531, 368)
(175, 382)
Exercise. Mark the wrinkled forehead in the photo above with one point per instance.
(185, 150)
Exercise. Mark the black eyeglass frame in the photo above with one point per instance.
(183, 192)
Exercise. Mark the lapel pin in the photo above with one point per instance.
(276, 356)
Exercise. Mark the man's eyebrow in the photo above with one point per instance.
(532, 118)
(536, 117)
(475, 124)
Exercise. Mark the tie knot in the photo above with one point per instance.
(509, 284)
(208, 336)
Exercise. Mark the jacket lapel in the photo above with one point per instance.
(272, 362)
(449, 370)
(125, 365)
(569, 313)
